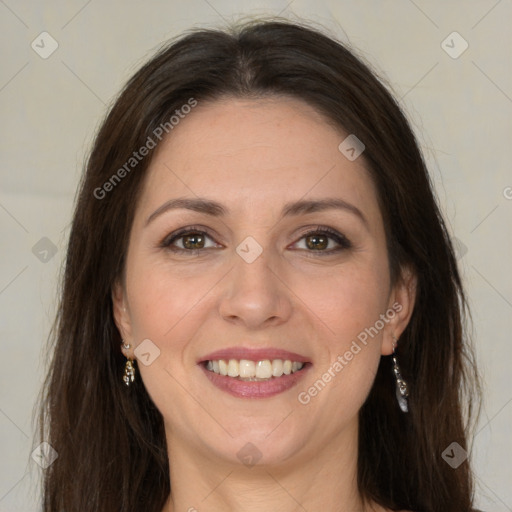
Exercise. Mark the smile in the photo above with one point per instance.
(247, 370)
(262, 372)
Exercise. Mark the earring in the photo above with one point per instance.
(129, 368)
(402, 390)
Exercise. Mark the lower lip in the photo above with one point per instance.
(255, 389)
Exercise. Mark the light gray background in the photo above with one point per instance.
(461, 110)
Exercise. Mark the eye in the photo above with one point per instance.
(188, 240)
(323, 240)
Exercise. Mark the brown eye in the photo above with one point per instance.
(317, 242)
(193, 241)
(323, 240)
(189, 241)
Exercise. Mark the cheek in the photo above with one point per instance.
(161, 297)
(350, 299)
(349, 306)
(168, 309)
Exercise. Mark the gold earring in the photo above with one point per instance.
(129, 368)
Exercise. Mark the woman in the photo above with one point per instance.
(261, 307)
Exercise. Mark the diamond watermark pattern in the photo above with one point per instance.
(454, 45)
(249, 455)
(351, 147)
(146, 352)
(454, 455)
(44, 455)
(44, 45)
(44, 249)
(459, 247)
(249, 250)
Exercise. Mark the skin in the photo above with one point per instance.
(253, 156)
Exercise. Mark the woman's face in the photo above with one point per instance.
(276, 252)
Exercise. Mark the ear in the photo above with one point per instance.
(121, 313)
(400, 307)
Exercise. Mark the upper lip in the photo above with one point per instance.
(254, 354)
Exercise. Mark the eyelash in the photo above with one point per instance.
(343, 242)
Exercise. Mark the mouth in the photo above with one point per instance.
(253, 371)
(258, 373)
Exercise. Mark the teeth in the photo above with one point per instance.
(223, 367)
(277, 367)
(254, 370)
(263, 369)
(246, 368)
(233, 368)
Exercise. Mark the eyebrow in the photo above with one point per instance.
(301, 207)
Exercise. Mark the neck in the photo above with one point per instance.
(312, 479)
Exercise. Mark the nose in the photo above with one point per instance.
(254, 294)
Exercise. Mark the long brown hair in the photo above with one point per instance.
(109, 438)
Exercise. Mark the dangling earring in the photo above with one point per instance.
(129, 368)
(402, 390)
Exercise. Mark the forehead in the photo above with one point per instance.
(256, 152)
